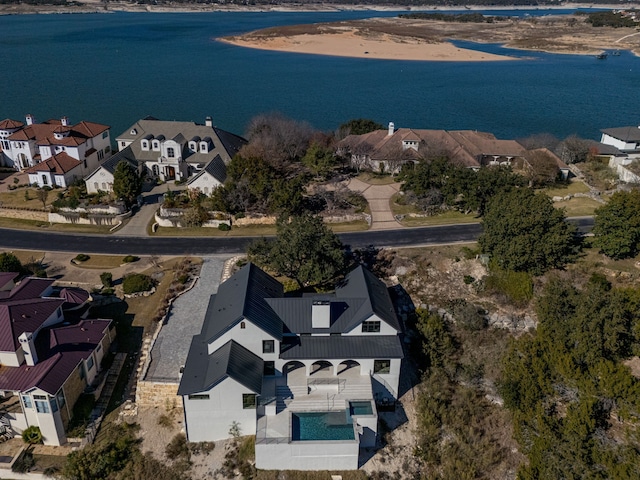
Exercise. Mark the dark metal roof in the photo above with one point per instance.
(626, 134)
(17, 317)
(296, 312)
(342, 347)
(60, 350)
(30, 287)
(125, 155)
(7, 277)
(202, 371)
(231, 142)
(361, 283)
(243, 296)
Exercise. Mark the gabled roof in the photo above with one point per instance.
(216, 168)
(361, 283)
(42, 133)
(112, 162)
(58, 164)
(30, 287)
(232, 360)
(243, 296)
(626, 134)
(59, 350)
(7, 277)
(17, 317)
(225, 144)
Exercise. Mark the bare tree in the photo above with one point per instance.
(42, 195)
(541, 167)
(573, 149)
(539, 140)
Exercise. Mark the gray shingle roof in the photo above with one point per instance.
(225, 144)
(342, 347)
(202, 371)
(216, 168)
(626, 134)
(111, 163)
(243, 296)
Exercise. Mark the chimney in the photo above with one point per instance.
(30, 119)
(64, 121)
(392, 128)
(208, 122)
(321, 314)
(29, 348)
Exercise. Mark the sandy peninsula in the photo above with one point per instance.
(428, 40)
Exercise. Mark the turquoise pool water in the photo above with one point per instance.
(321, 426)
(360, 408)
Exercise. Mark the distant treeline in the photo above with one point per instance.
(461, 18)
(41, 2)
(610, 19)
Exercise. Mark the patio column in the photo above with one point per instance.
(307, 367)
(336, 366)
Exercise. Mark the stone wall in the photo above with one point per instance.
(79, 219)
(173, 221)
(157, 394)
(254, 220)
(24, 214)
(72, 388)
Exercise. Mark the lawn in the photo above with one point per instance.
(102, 262)
(52, 227)
(446, 218)
(401, 209)
(576, 186)
(578, 207)
(17, 198)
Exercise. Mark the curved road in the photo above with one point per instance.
(109, 244)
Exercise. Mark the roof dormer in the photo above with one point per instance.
(145, 143)
(61, 132)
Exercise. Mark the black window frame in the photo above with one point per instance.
(379, 368)
(371, 326)
(268, 346)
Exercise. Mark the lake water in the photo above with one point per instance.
(117, 68)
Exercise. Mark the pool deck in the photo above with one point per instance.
(321, 392)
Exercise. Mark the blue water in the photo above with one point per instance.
(360, 408)
(117, 68)
(321, 426)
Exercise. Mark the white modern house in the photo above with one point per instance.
(306, 375)
(625, 139)
(54, 152)
(172, 150)
(46, 360)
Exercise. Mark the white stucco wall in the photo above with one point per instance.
(385, 328)
(327, 455)
(210, 420)
(206, 183)
(619, 144)
(250, 337)
(12, 359)
(100, 180)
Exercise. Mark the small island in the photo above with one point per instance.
(427, 37)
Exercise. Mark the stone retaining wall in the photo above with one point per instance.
(157, 394)
(76, 219)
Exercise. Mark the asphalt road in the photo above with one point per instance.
(109, 244)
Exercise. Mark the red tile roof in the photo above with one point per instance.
(43, 132)
(8, 124)
(58, 164)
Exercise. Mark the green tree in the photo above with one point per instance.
(304, 249)
(319, 159)
(127, 183)
(360, 126)
(617, 225)
(10, 263)
(522, 231)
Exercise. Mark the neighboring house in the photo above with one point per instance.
(46, 358)
(624, 139)
(74, 150)
(176, 150)
(210, 177)
(101, 179)
(387, 150)
(275, 366)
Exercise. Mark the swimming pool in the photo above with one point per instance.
(321, 426)
(360, 408)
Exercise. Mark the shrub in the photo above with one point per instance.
(178, 448)
(108, 291)
(81, 257)
(165, 421)
(468, 279)
(184, 278)
(224, 227)
(516, 286)
(137, 282)
(32, 435)
(24, 463)
(202, 447)
(130, 259)
(107, 279)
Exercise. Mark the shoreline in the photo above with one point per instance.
(94, 6)
(351, 46)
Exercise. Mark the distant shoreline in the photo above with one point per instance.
(96, 6)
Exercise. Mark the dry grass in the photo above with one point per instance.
(102, 262)
(355, 226)
(376, 179)
(576, 186)
(52, 227)
(578, 207)
(16, 198)
(446, 218)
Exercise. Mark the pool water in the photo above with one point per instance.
(321, 426)
(360, 408)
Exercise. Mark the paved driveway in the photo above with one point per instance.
(378, 197)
